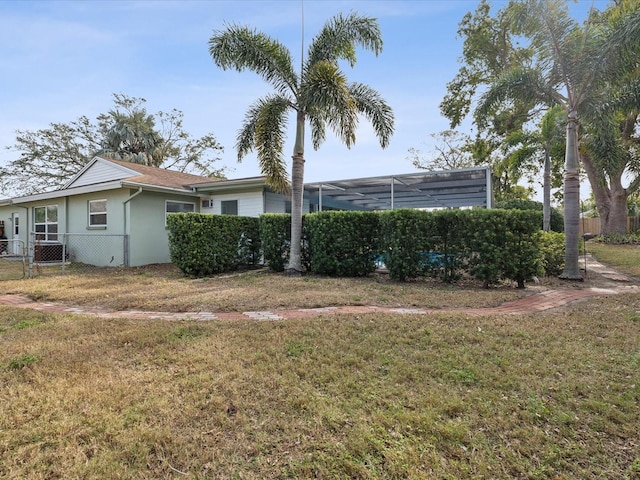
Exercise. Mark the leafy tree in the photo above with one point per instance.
(49, 157)
(451, 152)
(528, 150)
(489, 48)
(571, 63)
(610, 138)
(320, 95)
(130, 134)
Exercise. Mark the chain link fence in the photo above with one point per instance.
(76, 253)
(13, 259)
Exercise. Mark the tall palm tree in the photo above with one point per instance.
(571, 62)
(529, 149)
(609, 141)
(319, 94)
(132, 137)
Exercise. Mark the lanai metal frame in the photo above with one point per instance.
(442, 189)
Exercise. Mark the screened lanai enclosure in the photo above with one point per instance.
(426, 190)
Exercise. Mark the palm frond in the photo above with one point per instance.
(270, 125)
(246, 135)
(547, 23)
(371, 104)
(629, 96)
(243, 48)
(517, 84)
(340, 36)
(326, 97)
(602, 140)
(626, 33)
(318, 128)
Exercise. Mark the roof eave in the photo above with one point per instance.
(67, 193)
(225, 184)
(159, 188)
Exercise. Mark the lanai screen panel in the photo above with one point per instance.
(443, 189)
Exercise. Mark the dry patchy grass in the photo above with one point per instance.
(625, 258)
(163, 288)
(543, 396)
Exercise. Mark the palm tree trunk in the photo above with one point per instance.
(546, 196)
(571, 201)
(297, 188)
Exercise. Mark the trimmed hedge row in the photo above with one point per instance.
(202, 245)
(275, 233)
(489, 245)
(556, 222)
(343, 244)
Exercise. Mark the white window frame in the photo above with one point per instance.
(46, 235)
(92, 215)
(223, 202)
(166, 207)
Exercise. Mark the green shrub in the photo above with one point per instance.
(343, 244)
(504, 245)
(556, 220)
(249, 243)
(487, 239)
(202, 245)
(552, 246)
(619, 239)
(405, 235)
(448, 243)
(491, 245)
(521, 260)
(275, 234)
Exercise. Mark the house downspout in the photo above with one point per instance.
(126, 235)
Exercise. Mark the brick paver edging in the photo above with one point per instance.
(533, 303)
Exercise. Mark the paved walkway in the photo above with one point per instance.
(616, 283)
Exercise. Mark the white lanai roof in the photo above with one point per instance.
(443, 189)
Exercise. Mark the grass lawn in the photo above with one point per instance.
(163, 288)
(546, 396)
(625, 258)
(12, 268)
(374, 396)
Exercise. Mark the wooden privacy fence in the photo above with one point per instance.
(593, 225)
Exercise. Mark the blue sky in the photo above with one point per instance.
(63, 59)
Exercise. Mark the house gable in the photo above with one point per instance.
(98, 171)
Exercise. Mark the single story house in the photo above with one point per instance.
(114, 212)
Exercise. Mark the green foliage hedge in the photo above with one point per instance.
(489, 245)
(556, 221)
(552, 252)
(419, 243)
(619, 239)
(343, 244)
(275, 232)
(202, 245)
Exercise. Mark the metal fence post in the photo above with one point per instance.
(31, 252)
